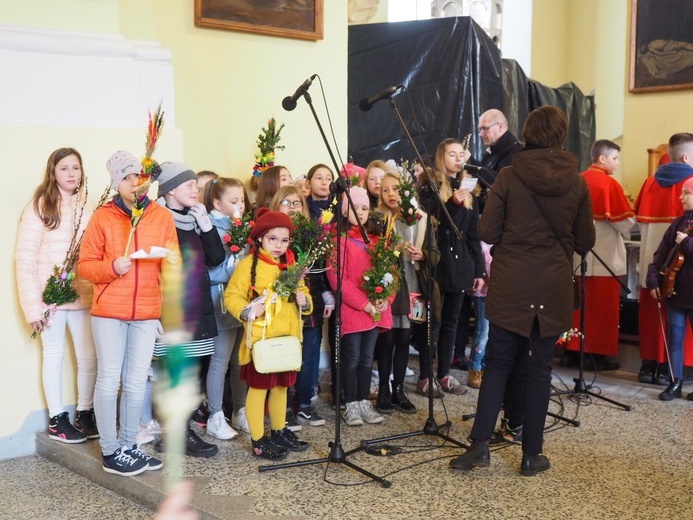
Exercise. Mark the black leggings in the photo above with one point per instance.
(392, 354)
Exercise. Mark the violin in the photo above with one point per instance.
(671, 267)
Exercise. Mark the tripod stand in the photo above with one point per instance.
(337, 454)
(430, 426)
(581, 388)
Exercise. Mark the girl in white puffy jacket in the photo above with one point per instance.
(57, 215)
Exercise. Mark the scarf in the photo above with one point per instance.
(183, 221)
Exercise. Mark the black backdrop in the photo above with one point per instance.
(453, 72)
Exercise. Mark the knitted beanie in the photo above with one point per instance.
(358, 196)
(120, 165)
(172, 175)
(267, 220)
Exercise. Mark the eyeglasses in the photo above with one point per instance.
(484, 129)
(292, 203)
(276, 240)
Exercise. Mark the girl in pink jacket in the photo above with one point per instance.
(57, 216)
(359, 329)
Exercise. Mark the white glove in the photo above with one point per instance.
(199, 212)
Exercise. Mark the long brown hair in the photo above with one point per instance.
(47, 196)
(267, 185)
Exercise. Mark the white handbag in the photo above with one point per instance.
(280, 354)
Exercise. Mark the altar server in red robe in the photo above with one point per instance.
(613, 220)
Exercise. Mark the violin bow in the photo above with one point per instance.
(664, 336)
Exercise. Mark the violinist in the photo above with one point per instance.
(672, 265)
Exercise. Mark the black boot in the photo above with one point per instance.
(647, 371)
(287, 439)
(477, 456)
(661, 376)
(86, 423)
(401, 402)
(196, 447)
(266, 449)
(673, 390)
(383, 403)
(533, 464)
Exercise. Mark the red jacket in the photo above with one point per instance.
(137, 294)
(354, 298)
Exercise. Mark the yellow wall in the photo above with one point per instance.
(76, 15)
(550, 41)
(228, 83)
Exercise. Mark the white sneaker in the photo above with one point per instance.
(144, 436)
(154, 427)
(352, 414)
(409, 372)
(219, 428)
(368, 413)
(239, 421)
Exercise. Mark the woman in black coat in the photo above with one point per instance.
(538, 214)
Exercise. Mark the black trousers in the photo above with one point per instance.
(507, 352)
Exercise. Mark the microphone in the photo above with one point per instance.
(367, 103)
(289, 102)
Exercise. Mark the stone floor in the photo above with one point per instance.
(617, 464)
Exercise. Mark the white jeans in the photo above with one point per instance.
(124, 349)
(53, 340)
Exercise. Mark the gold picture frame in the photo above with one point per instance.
(661, 45)
(301, 19)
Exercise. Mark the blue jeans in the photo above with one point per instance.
(357, 351)
(312, 337)
(123, 351)
(476, 358)
(676, 319)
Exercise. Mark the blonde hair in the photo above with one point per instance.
(276, 202)
(382, 207)
(442, 176)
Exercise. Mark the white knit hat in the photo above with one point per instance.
(120, 165)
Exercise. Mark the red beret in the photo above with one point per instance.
(266, 220)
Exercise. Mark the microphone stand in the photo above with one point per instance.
(430, 426)
(581, 388)
(337, 454)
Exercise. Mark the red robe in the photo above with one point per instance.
(609, 204)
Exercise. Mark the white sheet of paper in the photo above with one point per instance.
(468, 183)
(154, 252)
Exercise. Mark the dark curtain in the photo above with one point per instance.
(452, 72)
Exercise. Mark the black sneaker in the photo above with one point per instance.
(123, 462)
(266, 449)
(60, 429)
(647, 371)
(152, 463)
(86, 423)
(201, 415)
(291, 421)
(401, 401)
(288, 439)
(309, 415)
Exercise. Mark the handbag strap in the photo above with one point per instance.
(547, 220)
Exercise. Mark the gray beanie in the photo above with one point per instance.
(120, 165)
(173, 174)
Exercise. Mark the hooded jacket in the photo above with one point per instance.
(532, 271)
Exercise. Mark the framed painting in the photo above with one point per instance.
(661, 45)
(287, 18)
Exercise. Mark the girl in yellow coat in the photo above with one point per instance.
(255, 274)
